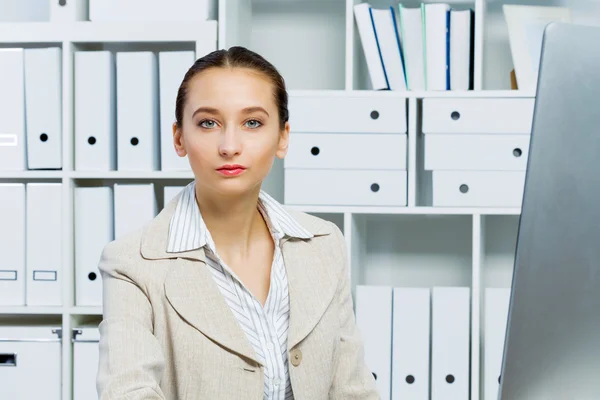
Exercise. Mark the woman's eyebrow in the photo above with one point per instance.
(209, 110)
(249, 110)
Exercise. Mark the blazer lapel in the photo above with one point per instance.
(193, 293)
(312, 284)
(191, 290)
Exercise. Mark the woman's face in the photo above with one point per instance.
(230, 130)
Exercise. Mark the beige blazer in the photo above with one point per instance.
(167, 332)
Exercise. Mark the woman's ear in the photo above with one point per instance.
(284, 140)
(178, 141)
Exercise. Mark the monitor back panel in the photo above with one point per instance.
(552, 348)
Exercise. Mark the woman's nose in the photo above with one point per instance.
(230, 144)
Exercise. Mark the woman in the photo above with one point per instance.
(226, 294)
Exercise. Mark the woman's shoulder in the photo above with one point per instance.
(316, 225)
(124, 249)
(128, 248)
(327, 237)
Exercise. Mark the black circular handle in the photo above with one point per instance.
(374, 114)
(410, 379)
(499, 376)
(450, 378)
(464, 188)
(92, 140)
(517, 152)
(455, 115)
(92, 276)
(374, 375)
(44, 137)
(375, 187)
(315, 151)
(134, 141)
(62, 3)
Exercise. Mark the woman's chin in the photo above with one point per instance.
(232, 187)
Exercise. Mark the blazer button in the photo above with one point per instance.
(296, 357)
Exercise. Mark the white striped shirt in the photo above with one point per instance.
(266, 327)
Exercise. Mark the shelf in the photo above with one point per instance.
(85, 311)
(415, 94)
(406, 210)
(87, 31)
(31, 174)
(151, 175)
(30, 310)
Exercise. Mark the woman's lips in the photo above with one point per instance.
(231, 170)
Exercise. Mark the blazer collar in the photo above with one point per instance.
(192, 292)
(187, 230)
(155, 238)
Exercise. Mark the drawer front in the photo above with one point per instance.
(345, 187)
(476, 152)
(27, 360)
(360, 114)
(346, 151)
(480, 115)
(478, 188)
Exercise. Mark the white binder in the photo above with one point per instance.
(44, 244)
(366, 34)
(411, 343)
(172, 68)
(495, 318)
(374, 321)
(12, 244)
(12, 110)
(170, 192)
(93, 208)
(68, 10)
(450, 338)
(85, 363)
(137, 111)
(95, 113)
(43, 107)
(135, 206)
(24, 11)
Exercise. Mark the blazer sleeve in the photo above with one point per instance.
(131, 361)
(352, 380)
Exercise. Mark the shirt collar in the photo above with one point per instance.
(187, 230)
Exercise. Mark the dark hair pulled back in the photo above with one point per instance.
(235, 57)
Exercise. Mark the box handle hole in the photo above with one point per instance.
(8, 360)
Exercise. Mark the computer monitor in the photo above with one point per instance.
(552, 346)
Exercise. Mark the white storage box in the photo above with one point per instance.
(30, 363)
(481, 152)
(85, 363)
(345, 187)
(478, 188)
(343, 114)
(478, 115)
(152, 10)
(346, 151)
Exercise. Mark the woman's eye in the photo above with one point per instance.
(207, 123)
(253, 124)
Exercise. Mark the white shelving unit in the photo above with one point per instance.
(202, 37)
(315, 45)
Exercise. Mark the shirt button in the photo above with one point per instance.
(276, 381)
(270, 346)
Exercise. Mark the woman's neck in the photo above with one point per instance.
(232, 221)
